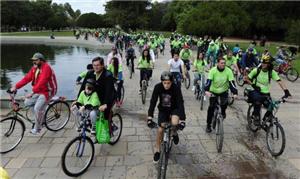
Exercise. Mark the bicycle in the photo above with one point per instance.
(145, 84)
(217, 124)
(199, 90)
(270, 124)
(56, 117)
(187, 79)
(79, 152)
(287, 70)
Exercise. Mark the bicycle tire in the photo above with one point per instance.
(144, 91)
(250, 122)
(122, 93)
(219, 134)
(57, 115)
(239, 80)
(12, 128)
(187, 81)
(130, 70)
(279, 128)
(113, 142)
(201, 101)
(29, 115)
(163, 163)
(290, 73)
(64, 155)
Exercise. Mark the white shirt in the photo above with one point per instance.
(110, 56)
(175, 65)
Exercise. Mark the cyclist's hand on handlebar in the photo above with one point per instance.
(235, 96)
(103, 107)
(13, 89)
(287, 94)
(207, 93)
(150, 123)
(81, 109)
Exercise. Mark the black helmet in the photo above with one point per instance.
(90, 83)
(166, 76)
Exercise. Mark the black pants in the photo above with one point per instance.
(120, 84)
(132, 63)
(258, 99)
(213, 103)
(144, 73)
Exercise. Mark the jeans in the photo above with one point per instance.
(93, 115)
(213, 103)
(37, 103)
(177, 78)
(258, 99)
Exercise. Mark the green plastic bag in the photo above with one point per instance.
(102, 130)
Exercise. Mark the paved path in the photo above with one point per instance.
(244, 154)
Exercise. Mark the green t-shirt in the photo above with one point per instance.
(143, 63)
(83, 74)
(111, 68)
(262, 79)
(199, 43)
(200, 65)
(185, 54)
(176, 43)
(92, 99)
(220, 80)
(153, 45)
(230, 61)
(141, 42)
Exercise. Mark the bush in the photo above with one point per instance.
(293, 34)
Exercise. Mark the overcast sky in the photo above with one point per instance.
(86, 6)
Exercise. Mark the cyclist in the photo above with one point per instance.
(116, 69)
(231, 62)
(199, 66)
(170, 107)
(89, 67)
(88, 99)
(44, 87)
(260, 79)
(176, 66)
(220, 79)
(130, 55)
(185, 55)
(145, 64)
(248, 61)
(211, 53)
(114, 53)
(104, 85)
(281, 55)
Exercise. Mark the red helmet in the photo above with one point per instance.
(186, 46)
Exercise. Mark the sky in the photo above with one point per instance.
(86, 6)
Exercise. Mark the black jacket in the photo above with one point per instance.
(104, 86)
(168, 100)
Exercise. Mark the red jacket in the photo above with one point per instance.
(45, 83)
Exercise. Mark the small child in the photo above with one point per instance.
(88, 99)
(89, 67)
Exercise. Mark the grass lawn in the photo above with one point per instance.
(272, 50)
(38, 33)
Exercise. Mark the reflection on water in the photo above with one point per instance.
(67, 62)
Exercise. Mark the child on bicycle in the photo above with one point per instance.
(88, 100)
(170, 109)
(89, 67)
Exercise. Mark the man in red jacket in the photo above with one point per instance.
(44, 87)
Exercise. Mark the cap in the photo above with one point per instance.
(37, 56)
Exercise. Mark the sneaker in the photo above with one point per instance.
(93, 131)
(35, 131)
(193, 88)
(175, 139)
(156, 157)
(208, 129)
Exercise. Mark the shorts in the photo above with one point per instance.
(164, 117)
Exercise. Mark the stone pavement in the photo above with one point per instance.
(244, 154)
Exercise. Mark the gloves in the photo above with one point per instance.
(286, 93)
(150, 123)
(181, 125)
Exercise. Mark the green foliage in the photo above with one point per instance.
(293, 34)
(90, 20)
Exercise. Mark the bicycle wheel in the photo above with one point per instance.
(163, 162)
(12, 132)
(292, 74)
(275, 139)
(122, 93)
(201, 100)
(250, 119)
(116, 124)
(29, 115)
(130, 70)
(144, 91)
(187, 81)
(219, 134)
(239, 80)
(57, 115)
(77, 156)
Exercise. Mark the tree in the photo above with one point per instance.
(90, 20)
(293, 33)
